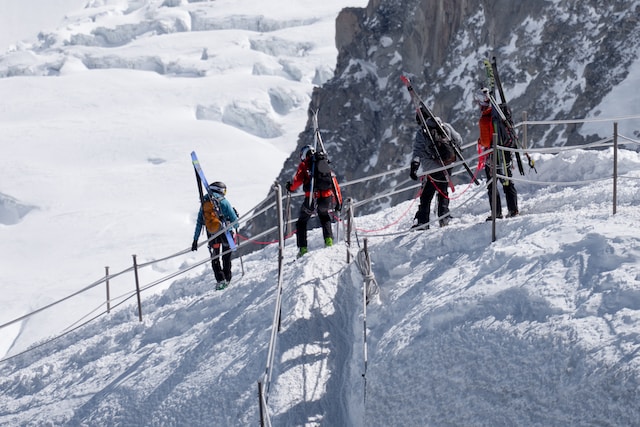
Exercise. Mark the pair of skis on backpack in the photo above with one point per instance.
(202, 180)
(503, 112)
(320, 151)
(419, 105)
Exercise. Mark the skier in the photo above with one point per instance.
(433, 150)
(488, 124)
(219, 246)
(324, 193)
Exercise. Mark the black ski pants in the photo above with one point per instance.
(322, 206)
(217, 249)
(435, 182)
(504, 167)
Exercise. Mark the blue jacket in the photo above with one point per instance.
(230, 217)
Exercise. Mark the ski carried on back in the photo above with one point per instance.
(202, 180)
(419, 103)
(320, 166)
(504, 112)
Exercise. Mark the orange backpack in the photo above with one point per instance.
(210, 211)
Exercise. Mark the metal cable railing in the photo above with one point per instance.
(396, 190)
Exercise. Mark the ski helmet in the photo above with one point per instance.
(482, 98)
(218, 187)
(305, 152)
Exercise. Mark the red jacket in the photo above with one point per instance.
(486, 128)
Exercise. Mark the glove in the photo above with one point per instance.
(288, 186)
(338, 207)
(414, 168)
(194, 245)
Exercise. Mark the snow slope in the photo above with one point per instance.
(98, 120)
(538, 328)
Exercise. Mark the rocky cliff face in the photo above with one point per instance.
(557, 59)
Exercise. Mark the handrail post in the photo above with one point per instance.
(278, 190)
(260, 397)
(524, 130)
(494, 186)
(135, 271)
(287, 222)
(365, 301)
(106, 275)
(277, 313)
(280, 247)
(615, 166)
(349, 228)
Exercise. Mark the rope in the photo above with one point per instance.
(267, 242)
(405, 232)
(446, 196)
(364, 265)
(635, 141)
(402, 215)
(567, 183)
(43, 343)
(607, 142)
(575, 121)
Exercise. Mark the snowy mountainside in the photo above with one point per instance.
(537, 328)
(98, 117)
(557, 60)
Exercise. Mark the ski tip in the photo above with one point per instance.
(404, 79)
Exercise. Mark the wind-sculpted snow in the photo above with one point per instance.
(460, 304)
(256, 23)
(284, 100)
(124, 34)
(11, 210)
(189, 40)
(274, 46)
(251, 118)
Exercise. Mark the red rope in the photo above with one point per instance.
(481, 161)
(397, 220)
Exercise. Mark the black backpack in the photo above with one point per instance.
(442, 144)
(505, 138)
(322, 173)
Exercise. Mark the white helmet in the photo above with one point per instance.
(482, 97)
(306, 151)
(218, 187)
